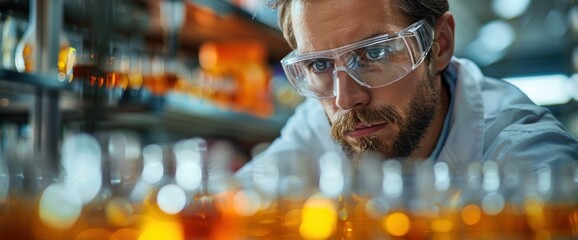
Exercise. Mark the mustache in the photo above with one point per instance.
(349, 121)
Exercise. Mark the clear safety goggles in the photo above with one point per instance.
(374, 62)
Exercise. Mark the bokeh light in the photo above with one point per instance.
(125, 234)
(153, 169)
(397, 224)
(246, 202)
(493, 204)
(442, 225)
(171, 199)
(318, 218)
(118, 210)
(331, 179)
(500, 28)
(471, 214)
(166, 230)
(392, 179)
(59, 206)
(81, 160)
(93, 234)
(189, 175)
(510, 8)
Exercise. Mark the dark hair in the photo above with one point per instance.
(415, 9)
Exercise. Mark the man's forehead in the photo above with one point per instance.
(327, 24)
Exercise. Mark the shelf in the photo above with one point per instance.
(217, 20)
(183, 117)
(37, 80)
(174, 115)
(205, 20)
(178, 116)
(17, 92)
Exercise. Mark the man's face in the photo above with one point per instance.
(390, 120)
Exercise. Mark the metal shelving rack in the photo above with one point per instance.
(45, 93)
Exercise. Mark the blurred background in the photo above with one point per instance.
(169, 70)
(532, 43)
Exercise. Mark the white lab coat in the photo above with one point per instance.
(490, 120)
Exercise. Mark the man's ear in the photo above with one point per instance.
(443, 45)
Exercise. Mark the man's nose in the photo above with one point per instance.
(350, 94)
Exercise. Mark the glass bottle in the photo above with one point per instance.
(25, 58)
(551, 205)
(118, 67)
(66, 59)
(135, 65)
(64, 208)
(8, 38)
(161, 199)
(112, 214)
(11, 191)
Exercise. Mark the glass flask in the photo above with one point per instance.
(551, 203)
(25, 58)
(8, 41)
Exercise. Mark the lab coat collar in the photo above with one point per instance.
(467, 122)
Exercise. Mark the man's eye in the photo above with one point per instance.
(320, 65)
(376, 53)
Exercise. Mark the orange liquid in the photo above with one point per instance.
(513, 221)
(365, 226)
(15, 217)
(20, 219)
(481, 226)
(66, 61)
(28, 58)
(90, 73)
(135, 80)
(117, 80)
(200, 220)
(262, 225)
(558, 220)
(280, 220)
(160, 85)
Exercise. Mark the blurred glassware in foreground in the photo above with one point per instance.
(111, 187)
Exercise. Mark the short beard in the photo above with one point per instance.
(421, 112)
(348, 122)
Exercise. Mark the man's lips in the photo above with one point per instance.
(365, 130)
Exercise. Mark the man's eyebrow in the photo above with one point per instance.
(370, 36)
(378, 34)
(373, 35)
